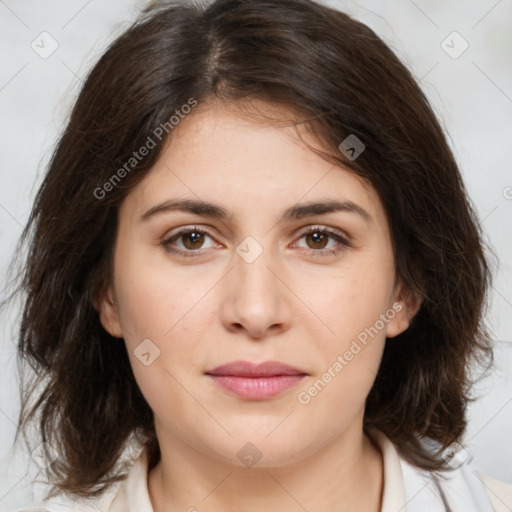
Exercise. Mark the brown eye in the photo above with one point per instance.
(187, 242)
(318, 239)
(192, 240)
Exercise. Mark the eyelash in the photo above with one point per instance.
(311, 252)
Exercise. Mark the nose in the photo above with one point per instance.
(257, 299)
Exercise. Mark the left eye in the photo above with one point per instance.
(318, 239)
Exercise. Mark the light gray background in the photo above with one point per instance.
(472, 94)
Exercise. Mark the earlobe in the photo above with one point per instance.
(109, 316)
(406, 307)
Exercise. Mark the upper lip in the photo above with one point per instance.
(249, 369)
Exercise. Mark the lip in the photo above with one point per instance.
(249, 369)
(253, 381)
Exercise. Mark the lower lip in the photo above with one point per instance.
(257, 388)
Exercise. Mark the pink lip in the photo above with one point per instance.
(256, 381)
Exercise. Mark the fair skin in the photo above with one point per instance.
(288, 305)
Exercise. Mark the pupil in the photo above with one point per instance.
(191, 240)
(318, 238)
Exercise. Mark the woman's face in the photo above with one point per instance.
(193, 291)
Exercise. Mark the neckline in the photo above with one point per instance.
(133, 493)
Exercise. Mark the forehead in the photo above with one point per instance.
(248, 156)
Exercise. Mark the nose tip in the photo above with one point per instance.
(254, 331)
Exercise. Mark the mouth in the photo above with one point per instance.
(252, 381)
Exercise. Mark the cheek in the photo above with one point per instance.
(348, 303)
(154, 296)
(162, 314)
(350, 355)
(351, 308)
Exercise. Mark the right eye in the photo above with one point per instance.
(191, 239)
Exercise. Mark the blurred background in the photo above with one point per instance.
(460, 51)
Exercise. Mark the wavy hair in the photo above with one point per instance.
(338, 78)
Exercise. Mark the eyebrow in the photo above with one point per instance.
(295, 212)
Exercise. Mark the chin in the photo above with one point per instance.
(262, 451)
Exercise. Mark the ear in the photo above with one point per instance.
(405, 304)
(109, 316)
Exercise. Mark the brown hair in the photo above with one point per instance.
(344, 80)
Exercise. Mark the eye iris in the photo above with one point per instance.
(194, 237)
(318, 238)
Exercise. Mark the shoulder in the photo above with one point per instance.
(463, 486)
(129, 493)
(500, 493)
(114, 499)
(100, 504)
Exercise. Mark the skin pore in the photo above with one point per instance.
(302, 301)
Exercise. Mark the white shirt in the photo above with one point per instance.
(406, 489)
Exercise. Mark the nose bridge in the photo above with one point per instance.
(252, 271)
(256, 299)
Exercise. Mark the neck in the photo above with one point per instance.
(346, 475)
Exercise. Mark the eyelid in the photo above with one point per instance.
(327, 229)
(188, 229)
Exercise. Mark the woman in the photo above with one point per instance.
(255, 279)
